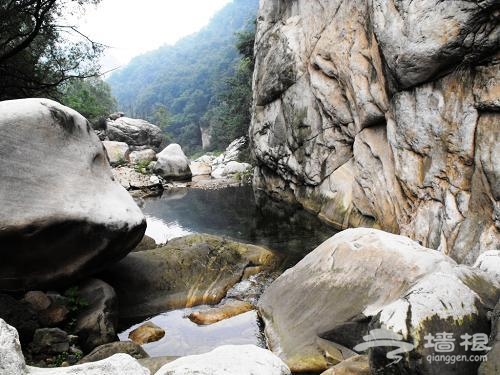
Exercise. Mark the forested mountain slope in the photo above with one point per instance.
(177, 85)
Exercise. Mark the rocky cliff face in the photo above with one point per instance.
(383, 113)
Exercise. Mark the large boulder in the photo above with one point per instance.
(366, 277)
(228, 359)
(63, 216)
(138, 134)
(172, 164)
(188, 271)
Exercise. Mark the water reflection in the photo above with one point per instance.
(233, 212)
(183, 337)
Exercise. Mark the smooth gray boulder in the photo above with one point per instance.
(172, 163)
(228, 359)
(63, 217)
(138, 134)
(365, 278)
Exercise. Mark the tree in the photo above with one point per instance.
(162, 118)
(90, 96)
(38, 53)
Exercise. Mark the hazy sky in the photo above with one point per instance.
(132, 27)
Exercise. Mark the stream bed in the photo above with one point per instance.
(229, 212)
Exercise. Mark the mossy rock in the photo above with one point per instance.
(188, 271)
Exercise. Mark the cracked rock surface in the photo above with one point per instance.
(383, 114)
(363, 279)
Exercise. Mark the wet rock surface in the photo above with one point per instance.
(192, 270)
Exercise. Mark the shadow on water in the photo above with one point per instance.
(233, 212)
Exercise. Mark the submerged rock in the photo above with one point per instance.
(63, 217)
(225, 310)
(172, 164)
(363, 279)
(228, 359)
(138, 134)
(147, 332)
(107, 350)
(188, 271)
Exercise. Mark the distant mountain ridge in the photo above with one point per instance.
(184, 78)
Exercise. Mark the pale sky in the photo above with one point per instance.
(132, 27)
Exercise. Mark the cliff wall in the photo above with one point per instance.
(385, 114)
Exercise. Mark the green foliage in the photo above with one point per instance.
(74, 304)
(38, 53)
(142, 167)
(91, 97)
(230, 117)
(187, 79)
(163, 118)
(244, 177)
(64, 357)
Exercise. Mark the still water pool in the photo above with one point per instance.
(230, 212)
(233, 212)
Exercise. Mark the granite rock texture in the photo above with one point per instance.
(383, 114)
